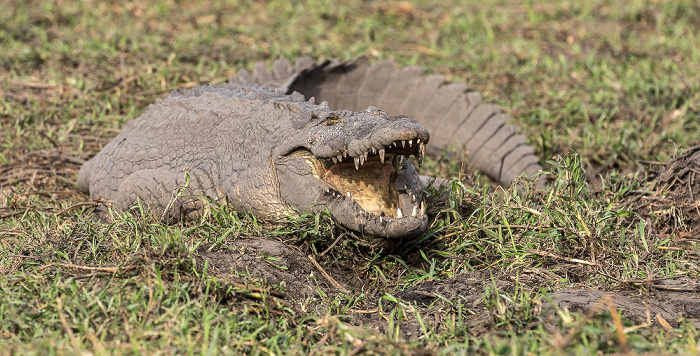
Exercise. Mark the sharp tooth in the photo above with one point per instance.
(413, 198)
(374, 150)
(418, 140)
(415, 211)
(421, 153)
(410, 143)
(398, 162)
(362, 159)
(422, 207)
(403, 143)
(357, 163)
(345, 154)
(340, 158)
(380, 219)
(366, 154)
(335, 160)
(399, 214)
(381, 155)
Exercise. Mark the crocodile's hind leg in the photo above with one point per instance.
(167, 195)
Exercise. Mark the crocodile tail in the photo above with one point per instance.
(456, 118)
(283, 73)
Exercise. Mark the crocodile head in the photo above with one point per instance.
(356, 165)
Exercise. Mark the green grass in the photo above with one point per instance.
(597, 86)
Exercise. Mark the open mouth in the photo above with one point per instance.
(376, 179)
(368, 184)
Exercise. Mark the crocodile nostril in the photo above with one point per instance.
(331, 120)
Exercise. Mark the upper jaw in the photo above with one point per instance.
(361, 153)
(361, 139)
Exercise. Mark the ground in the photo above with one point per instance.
(604, 259)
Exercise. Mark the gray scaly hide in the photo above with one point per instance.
(455, 117)
(267, 153)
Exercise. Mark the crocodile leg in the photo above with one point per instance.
(176, 197)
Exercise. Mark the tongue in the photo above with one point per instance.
(371, 186)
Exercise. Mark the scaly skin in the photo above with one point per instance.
(457, 119)
(268, 153)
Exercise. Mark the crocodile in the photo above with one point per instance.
(274, 155)
(262, 144)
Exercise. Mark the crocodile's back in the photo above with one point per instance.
(199, 129)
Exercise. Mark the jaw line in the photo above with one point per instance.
(351, 215)
(300, 175)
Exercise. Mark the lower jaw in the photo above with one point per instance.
(351, 215)
(378, 207)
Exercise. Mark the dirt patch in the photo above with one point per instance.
(471, 288)
(672, 204)
(284, 268)
(288, 270)
(40, 180)
(632, 308)
(43, 169)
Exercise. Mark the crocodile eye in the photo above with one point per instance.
(331, 120)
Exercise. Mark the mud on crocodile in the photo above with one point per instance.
(259, 145)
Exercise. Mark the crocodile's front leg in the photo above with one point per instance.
(167, 194)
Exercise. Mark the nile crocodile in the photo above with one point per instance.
(262, 151)
(259, 145)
